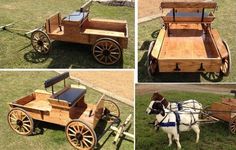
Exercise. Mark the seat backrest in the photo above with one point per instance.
(53, 22)
(56, 79)
(188, 11)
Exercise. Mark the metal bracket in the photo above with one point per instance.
(177, 67)
(201, 68)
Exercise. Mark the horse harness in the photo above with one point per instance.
(157, 125)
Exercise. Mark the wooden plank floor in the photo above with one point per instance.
(187, 41)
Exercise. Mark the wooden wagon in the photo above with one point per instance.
(66, 108)
(107, 37)
(187, 42)
(225, 111)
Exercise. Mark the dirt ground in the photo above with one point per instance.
(208, 88)
(148, 8)
(117, 84)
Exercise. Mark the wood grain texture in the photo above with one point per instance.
(188, 4)
(158, 44)
(218, 41)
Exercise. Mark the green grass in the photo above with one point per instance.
(212, 137)
(17, 84)
(16, 51)
(225, 24)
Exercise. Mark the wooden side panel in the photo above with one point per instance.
(26, 99)
(158, 44)
(226, 116)
(189, 65)
(53, 22)
(98, 111)
(187, 4)
(222, 50)
(107, 24)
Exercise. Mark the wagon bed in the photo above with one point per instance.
(187, 43)
(225, 111)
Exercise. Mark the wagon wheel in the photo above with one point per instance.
(212, 76)
(20, 121)
(111, 111)
(107, 51)
(232, 125)
(80, 135)
(226, 64)
(151, 68)
(40, 42)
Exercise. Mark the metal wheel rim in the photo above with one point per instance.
(232, 125)
(114, 111)
(20, 121)
(226, 66)
(80, 135)
(40, 42)
(107, 51)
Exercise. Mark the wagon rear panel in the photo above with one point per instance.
(189, 65)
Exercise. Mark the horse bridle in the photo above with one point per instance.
(162, 101)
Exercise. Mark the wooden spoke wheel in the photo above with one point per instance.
(212, 76)
(232, 125)
(111, 111)
(226, 62)
(107, 51)
(40, 42)
(20, 121)
(80, 135)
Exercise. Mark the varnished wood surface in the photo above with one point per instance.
(187, 41)
(188, 4)
(218, 41)
(104, 32)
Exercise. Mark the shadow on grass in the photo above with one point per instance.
(172, 76)
(101, 129)
(68, 55)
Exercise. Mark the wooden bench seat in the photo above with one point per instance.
(70, 95)
(103, 32)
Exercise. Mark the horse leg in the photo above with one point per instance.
(170, 139)
(176, 137)
(196, 129)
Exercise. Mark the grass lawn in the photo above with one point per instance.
(17, 52)
(212, 137)
(225, 24)
(17, 84)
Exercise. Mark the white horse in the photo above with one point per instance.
(174, 122)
